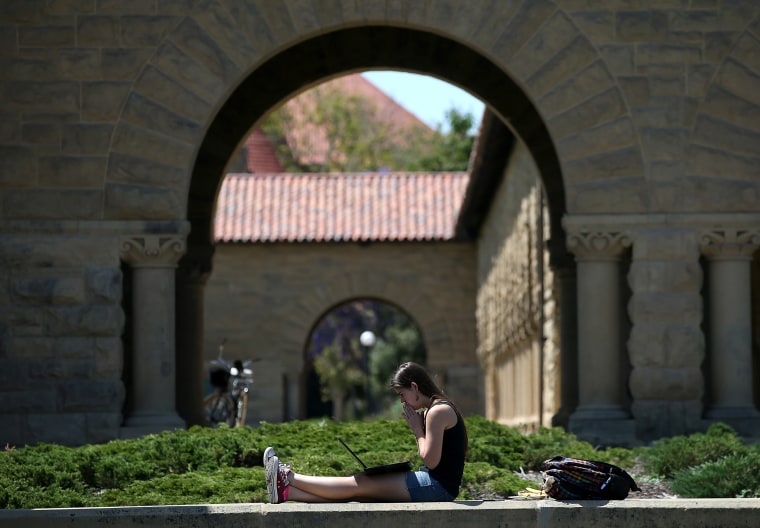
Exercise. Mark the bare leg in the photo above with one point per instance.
(295, 494)
(390, 487)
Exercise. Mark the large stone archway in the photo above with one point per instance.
(394, 47)
(119, 121)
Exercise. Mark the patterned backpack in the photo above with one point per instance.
(573, 479)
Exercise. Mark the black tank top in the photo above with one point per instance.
(449, 470)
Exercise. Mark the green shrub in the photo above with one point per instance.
(670, 455)
(36, 477)
(215, 466)
(495, 444)
(732, 476)
(481, 477)
(550, 442)
(225, 485)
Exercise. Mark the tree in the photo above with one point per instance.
(401, 341)
(334, 132)
(337, 376)
(451, 151)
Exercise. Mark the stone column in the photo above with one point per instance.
(565, 277)
(153, 259)
(191, 276)
(564, 271)
(729, 253)
(600, 413)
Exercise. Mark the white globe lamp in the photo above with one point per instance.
(367, 338)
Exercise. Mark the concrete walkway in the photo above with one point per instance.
(643, 513)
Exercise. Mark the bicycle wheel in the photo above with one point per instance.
(219, 408)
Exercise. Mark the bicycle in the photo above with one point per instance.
(229, 401)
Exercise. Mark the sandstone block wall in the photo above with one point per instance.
(518, 319)
(265, 299)
(117, 119)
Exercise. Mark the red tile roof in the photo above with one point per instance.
(339, 207)
(260, 154)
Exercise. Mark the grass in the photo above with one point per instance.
(217, 466)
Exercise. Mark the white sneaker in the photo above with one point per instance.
(268, 453)
(277, 478)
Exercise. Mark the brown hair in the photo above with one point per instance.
(409, 373)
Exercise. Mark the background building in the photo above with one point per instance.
(641, 122)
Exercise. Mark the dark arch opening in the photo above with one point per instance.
(330, 55)
(370, 47)
(337, 337)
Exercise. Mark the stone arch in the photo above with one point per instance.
(367, 48)
(447, 342)
(309, 379)
(435, 329)
(721, 155)
(181, 121)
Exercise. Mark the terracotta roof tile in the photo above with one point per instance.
(339, 207)
(260, 154)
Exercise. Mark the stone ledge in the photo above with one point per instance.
(709, 220)
(642, 513)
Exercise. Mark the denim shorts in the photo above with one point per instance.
(423, 488)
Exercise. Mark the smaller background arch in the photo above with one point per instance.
(350, 355)
(266, 298)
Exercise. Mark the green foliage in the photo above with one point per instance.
(550, 442)
(56, 476)
(223, 485)
(275, 127)
(223, 465)
(451, 151)
(483, 478)
(733, 476)
(31, 478)
(401, 341)
(495, 444)
(625, 458)
(353, 139)
(337, 376)
(555, 441)
(335, 132)
(669, 455)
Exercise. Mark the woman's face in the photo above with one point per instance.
(409, 396)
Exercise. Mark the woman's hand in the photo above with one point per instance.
(429, 431)
(414, 419)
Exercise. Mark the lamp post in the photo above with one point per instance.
(367, 339)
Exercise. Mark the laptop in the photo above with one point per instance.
(378, 470)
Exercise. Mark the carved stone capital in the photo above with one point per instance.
(729, 243)
(587, 243)
(152, 251)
